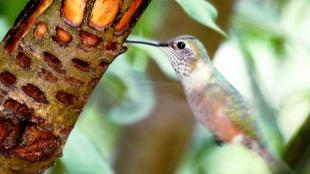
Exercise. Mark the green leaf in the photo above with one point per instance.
(231, 159)
(100, 130)
(81, 156)
(3, 28)
(11, 9)
(138, 98)
(201, 11)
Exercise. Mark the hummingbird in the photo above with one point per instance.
(215, 102)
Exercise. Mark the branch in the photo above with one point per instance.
(51, 60)
(298, 146)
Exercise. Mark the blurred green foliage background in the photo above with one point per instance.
(265, 53)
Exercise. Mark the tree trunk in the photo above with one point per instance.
(50, 62)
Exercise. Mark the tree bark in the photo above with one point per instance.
(50, 62)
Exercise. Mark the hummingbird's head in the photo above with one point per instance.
(186, 53)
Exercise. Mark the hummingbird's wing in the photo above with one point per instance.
(234, 106)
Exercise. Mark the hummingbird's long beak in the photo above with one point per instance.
(156, 44)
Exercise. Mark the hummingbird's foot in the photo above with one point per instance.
(217, 140)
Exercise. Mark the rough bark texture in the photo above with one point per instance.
(50, 62)
(158, 143)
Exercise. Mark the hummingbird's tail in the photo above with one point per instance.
(274, 162)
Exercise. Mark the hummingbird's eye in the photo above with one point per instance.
(181, 45)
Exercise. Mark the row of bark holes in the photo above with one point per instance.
(63, 38)
(38, 144)
(103, 14)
